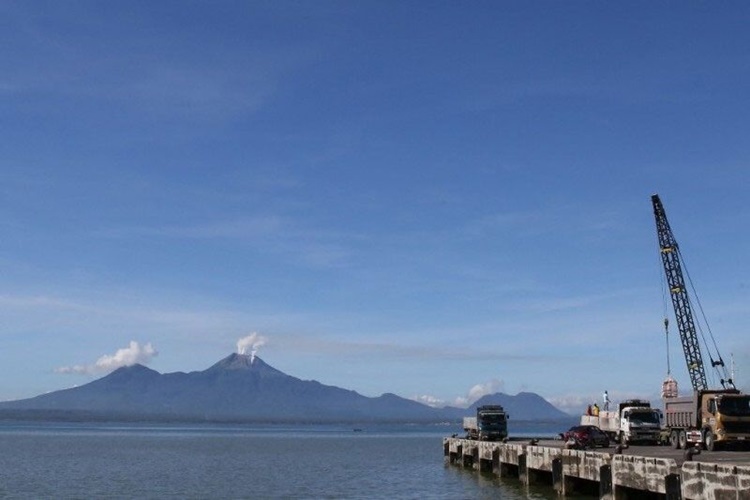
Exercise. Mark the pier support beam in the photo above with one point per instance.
(673, 487)
(458, 455)
(470, 457)
(487, 453)
(508, 470)
(558, 478)
(605, 482)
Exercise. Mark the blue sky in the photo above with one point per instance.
(435, 199)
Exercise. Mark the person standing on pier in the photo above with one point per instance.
(606, 401)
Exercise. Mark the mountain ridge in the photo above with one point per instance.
(245, 388)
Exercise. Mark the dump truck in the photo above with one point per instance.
(634, 421)
(490, 424)
(712, 419)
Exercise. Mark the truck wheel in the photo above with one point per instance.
(710, 441)
(674, 442)
(683, 440)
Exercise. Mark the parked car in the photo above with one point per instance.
(586, 436)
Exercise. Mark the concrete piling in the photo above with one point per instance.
(608, 476)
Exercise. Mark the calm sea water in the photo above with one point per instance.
(177, 461)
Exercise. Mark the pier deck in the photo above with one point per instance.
(635, 472)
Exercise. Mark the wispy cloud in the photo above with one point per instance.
(127, 356)
(505, 221)
(251, 229)
(398, 350)
(141, 71)
(429, 401)
(541, 303)
(39, 302)
(278, 235)
(200, 91)
(106, 309)
(553, 219)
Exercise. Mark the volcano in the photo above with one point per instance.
(243, 388)
(237, 388)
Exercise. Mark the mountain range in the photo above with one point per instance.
(245, 388)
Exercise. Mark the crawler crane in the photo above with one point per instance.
(709, 417)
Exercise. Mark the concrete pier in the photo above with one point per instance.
(606, 474)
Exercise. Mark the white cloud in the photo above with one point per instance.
(461, 402)
(134, 353)
(479, 390)
(429, 400)
(572, 403)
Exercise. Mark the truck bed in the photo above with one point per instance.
(681, 412)
(608, 421)
(470, 423)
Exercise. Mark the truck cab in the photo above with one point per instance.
(490, 424)
(640, 424)
(634, 421)
(725, 418)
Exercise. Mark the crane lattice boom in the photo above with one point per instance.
(670, 257)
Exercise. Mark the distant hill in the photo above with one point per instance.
(523, 404)
(242, 388)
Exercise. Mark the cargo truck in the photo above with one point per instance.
(634, 421)
(709, 418)
(490, 424)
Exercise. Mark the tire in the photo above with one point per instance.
(709, 440)
(674, 442)
(682, 440)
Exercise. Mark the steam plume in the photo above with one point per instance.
(250, 344)
(134, 353)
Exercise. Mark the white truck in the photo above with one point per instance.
(634, 421)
